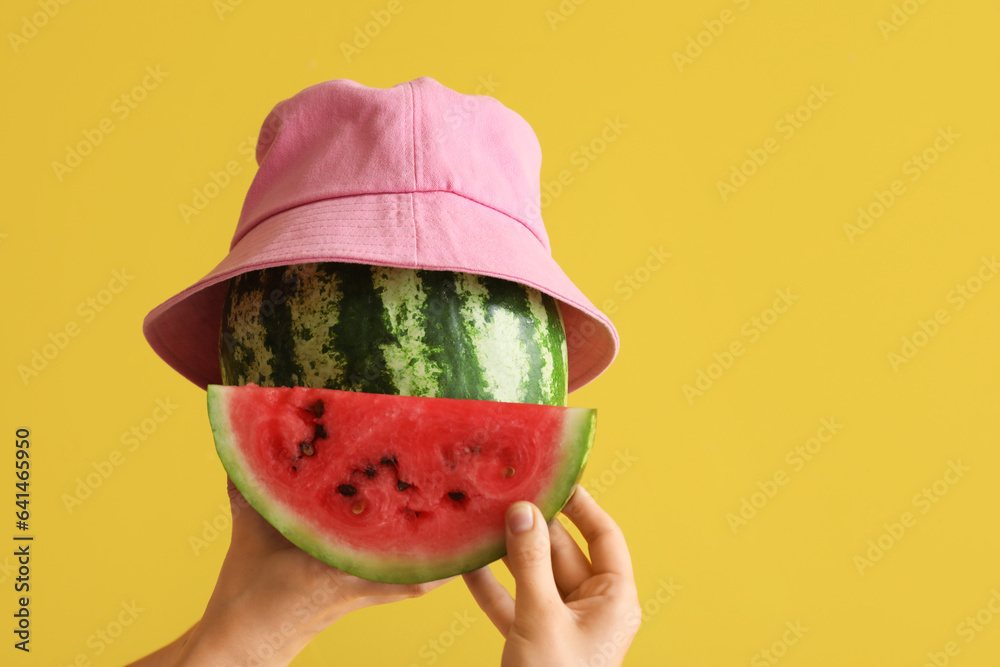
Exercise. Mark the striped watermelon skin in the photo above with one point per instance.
(387, 330)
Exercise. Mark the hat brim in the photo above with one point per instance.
(428, 230)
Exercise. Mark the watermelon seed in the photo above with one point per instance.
(457, 496)
(320, 431)
(358, 507)
(509, 472)
(370, 471)
(346, 490)
(307, 448)
(402, 486)
(389, 461)
(316, 408)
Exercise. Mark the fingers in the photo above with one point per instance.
(570, 566)
(530, 561)
(605, 540)
(234, 494)
(491, 597)
(237, 502)
(400, 591)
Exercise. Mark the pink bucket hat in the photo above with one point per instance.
(414, 176)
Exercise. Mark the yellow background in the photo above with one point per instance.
(691, 462)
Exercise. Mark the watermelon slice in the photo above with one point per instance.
(400, 489)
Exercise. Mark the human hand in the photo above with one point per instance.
(567, 609)
(272, 598)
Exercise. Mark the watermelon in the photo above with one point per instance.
(385, 330)
(399, 489)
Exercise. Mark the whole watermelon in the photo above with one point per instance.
(388, 330)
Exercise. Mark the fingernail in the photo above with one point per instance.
(520, 518)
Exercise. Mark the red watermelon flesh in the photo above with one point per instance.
(394, 488)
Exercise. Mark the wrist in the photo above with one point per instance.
(238, 635)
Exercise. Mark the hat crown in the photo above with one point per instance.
(340, 138)
(415, 176)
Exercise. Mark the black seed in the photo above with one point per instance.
(346, 490)
(370, 471)
(320, 431)
(389, 461)
(402, 486)
(316, 408)
(456, 495)
(307, 448)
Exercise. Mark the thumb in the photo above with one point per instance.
(529, 557)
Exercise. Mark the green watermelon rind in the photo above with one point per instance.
(387, 330)
(578, 438)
